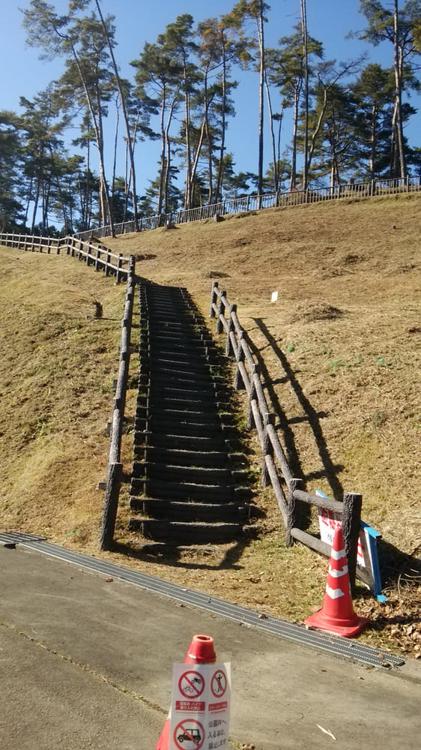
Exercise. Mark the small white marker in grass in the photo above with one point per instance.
(274, 297)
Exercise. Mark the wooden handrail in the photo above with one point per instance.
(115, 468)
(275, 467)
(92, 253)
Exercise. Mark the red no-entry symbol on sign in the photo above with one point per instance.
(219, 683)
(189, 734)
(191, 684)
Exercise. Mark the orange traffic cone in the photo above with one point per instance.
(200, 651)
(337, 614)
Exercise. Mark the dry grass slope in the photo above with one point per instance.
(56, 374)
(341, 352)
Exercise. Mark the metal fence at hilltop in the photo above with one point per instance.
(251, 203)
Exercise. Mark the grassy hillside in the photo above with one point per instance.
(341, 352)
(341, 345)
(56, 373)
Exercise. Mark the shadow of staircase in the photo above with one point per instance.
(189, 482)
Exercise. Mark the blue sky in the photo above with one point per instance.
(329, 20)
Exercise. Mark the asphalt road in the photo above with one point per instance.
(86, 662)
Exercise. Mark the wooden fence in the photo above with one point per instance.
(248, 203)
(275, 468)
(93, 253)
(115, 467)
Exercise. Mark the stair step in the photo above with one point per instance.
(189, 366)
(196, 474)
(190, 512)
(205, 391)
(186, 533)
(207, 405)
(186, 442)
(178, 457)
(188, 429)
(180, 416)
(170, 375)
(178, 345)
(188, 490)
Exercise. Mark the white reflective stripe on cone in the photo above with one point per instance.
(337, 554)
(334, 593)
(338, 573)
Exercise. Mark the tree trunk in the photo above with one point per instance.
(162, 158)
(272, 133)
(104, 196)
(306, 94)
(399, 140)
(293, 179)
(260, 31)
(317, 129)
(115, 148)
(168, 152)
(373, 143)
(36, 201)
(196, 157)
(125, 113)
(218, 194)
(187, 198)
(209, 140)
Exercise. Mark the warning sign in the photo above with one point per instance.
(367, 554)
(191, 684)
(189, 734)
(219, 683)
(200, 707)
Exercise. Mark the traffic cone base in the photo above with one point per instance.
(337, 614)
(346, 628)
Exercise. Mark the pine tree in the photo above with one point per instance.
(289, 68)
(255, 10)
(158, 89)
(373, 92)
(81, 42)
(11, 209)
(397, 25)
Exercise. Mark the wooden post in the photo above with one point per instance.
(252, 396)
(214, 297)
(107, 262)
(119, 265)
(132, 266)
(267, 448)
(97, 258)
(110, 505)
(238, 380)
(351, 526)
(219, 324)
(294, 484)
(228, 347)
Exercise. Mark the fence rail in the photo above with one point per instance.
(93, 253)
(275, 467)
(249, 203)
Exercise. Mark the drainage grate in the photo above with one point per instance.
(15, 537)
(290, 631)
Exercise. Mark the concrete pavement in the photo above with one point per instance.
(86, 663)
